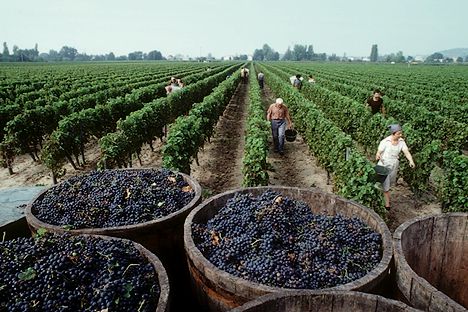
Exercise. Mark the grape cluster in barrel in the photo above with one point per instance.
(75, 273)
(111, 198)
(278, 241)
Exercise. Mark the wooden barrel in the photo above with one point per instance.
(220, 291)
(163, 236)
(160, 236)
(330, 301)
(163, 303)
(431, 258)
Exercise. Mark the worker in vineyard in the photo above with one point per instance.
(375, 103)
(297, 82)
(278, 115)
(244, 74)
(387, 156)
(261, 79)
(174, 85)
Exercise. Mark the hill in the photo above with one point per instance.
(454, 53)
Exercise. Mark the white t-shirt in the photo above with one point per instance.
(390, 152)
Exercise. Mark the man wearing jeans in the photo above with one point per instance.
(278, 115)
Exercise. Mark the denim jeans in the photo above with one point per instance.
(278, 127)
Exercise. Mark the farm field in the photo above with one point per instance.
(62, 120)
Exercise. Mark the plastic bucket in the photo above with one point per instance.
(381, 173)
(290, 135)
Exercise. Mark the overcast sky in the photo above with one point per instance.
(230, 27)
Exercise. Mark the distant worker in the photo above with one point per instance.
(375, 102)
(297, 82)
(174, 85)
(388, 156)
(244, 75)
(278, 115)
(311, 79)
(261, 79)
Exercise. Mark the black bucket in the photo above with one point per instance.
(381, 173)
(290, 135)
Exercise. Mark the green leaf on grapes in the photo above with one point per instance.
(128, 288)
(27, 275)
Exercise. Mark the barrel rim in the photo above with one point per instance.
(258, 302)
(379, 271)
(33, 221)
(402, 265)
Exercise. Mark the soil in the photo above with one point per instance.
(219, 165)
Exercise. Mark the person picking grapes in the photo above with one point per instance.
(278, 115)
(387, 156)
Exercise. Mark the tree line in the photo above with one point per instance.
(67, 53)
(306, 53)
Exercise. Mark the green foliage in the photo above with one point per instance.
(354, 176)
(188, 133)
(255, 163)
(455, 189)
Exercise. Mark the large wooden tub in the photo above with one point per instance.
(220, 291)
(162, 302)
(329, 301)
(431, 257)
(163, 236)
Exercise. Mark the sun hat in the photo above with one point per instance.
(394, 128)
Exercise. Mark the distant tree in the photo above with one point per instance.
(288, 55)
(459, 59)
(320, 57)
(97, 58)
(135, 56)
(399, 57)
(374, 53)
(68, 53)
(268, 53)
(54, 56)
(110, 57)
(299, 52)
(333, 58)
(310, 55)
(258, 55)
(154, 55)
(434, 57)
(243, 57)
(6, 52)
(83, 57)
(466, 59)
(409, 59)
(275, 56)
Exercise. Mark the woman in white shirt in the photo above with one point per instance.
(387, 155)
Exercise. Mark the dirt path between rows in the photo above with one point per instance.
(219, 165)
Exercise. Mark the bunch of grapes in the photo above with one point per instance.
(113, 198)
(278, 241)
(75, 273)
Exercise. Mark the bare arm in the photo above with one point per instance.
(378, 155)
(269, 114)
(409, 157)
